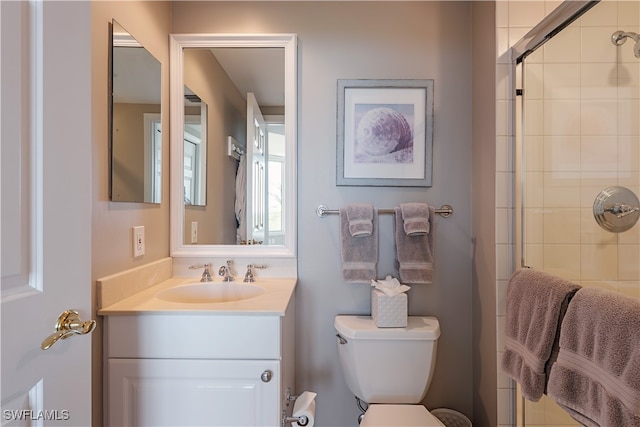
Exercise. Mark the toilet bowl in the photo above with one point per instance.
(381, 415)
(389, 368)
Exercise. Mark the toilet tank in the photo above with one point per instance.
(387, 365)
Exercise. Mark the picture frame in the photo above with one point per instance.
(384, 133)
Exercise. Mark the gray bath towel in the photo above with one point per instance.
(414, 253)
(536, 303)
(360, 217)
(415, 218)
(359, 253)
(596, 377)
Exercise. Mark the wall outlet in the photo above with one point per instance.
(138, 241)
(194, 232)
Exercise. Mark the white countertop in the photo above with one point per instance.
(274, 301)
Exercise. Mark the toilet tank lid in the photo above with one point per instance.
(363, 327)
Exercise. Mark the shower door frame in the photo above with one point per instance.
(552, 24)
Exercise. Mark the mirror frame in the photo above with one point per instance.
(177, 42)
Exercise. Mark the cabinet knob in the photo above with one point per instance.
(266, 376)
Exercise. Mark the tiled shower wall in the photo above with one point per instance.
(590, 101)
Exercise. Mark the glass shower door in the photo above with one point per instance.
(580, 133)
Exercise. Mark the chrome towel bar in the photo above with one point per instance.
(322, 211)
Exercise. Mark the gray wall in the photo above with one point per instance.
(371, 40)
(483, 220)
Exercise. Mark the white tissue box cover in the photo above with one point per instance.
(388, 312)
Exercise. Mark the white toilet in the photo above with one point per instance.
(389, 368)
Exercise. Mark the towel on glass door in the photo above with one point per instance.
(596, 377)
(536, 303)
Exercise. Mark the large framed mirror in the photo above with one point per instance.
(136, 128)
(248, 83)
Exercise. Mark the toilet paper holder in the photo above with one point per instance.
(289, 397)
(301, 420)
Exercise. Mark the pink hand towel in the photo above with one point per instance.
(596, 377)
(536, 302)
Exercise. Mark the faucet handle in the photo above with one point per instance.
(196, 266)
(249, 277)
(227, 271)
(206, 275)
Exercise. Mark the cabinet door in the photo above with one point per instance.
(164, 392)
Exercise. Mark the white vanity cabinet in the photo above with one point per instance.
(188, 369)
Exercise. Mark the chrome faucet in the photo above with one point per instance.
(206, 275)
(227, 272)
(249, 277)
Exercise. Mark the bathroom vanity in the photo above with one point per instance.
(199, 363)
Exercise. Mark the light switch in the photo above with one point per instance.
(194, 232)
(138, 241)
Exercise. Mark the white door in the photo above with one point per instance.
(46, 204)
(256, 172)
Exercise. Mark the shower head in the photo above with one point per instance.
(620, 37)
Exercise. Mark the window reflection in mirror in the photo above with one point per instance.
(136, 128)
(195, 149)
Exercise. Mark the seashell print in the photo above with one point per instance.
(380, 132)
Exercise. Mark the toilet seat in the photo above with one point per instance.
(381, 415)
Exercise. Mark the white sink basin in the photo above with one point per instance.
(208, 292)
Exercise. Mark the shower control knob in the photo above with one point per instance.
(266, 376)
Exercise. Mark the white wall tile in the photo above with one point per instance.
(562, 260)
(561, 226)
(628, 117)
(599, 262)
(628, 13)
(598, 80)
(562, 117)
(596, 44)
(561, 81)
(562, 153)
(598, 116)
(561, 189)
(525, 13)
(504, 154)
(599, 153)
(564, 47)
(607, 14)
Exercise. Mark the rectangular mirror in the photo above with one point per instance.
(247, 85)
(136, 128)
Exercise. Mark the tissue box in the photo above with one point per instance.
(388, 312)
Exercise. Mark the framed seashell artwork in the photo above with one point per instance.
(384, 133)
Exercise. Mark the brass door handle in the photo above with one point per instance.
(68, 324)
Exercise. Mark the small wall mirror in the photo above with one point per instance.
(236, 182)
(136, 128)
